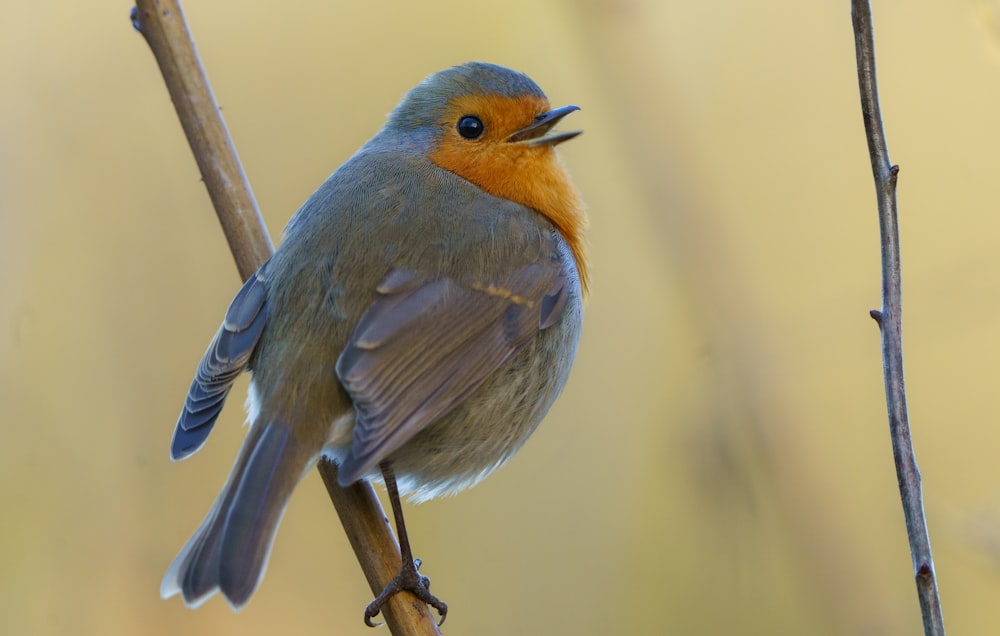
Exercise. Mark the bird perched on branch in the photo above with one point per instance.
(416, 324)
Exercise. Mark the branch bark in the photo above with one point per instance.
(890, 325)
(162, 24)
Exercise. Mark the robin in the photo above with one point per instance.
(416, 324)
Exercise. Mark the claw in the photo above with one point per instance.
(410, 580)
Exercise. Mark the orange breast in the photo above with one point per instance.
(531, 176)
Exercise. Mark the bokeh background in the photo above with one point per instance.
(720, 461)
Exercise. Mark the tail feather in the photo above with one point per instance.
(230, 549)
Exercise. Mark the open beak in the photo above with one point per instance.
(536, 133)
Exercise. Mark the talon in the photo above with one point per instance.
(411, 581)
(369, 616)
(442, 609)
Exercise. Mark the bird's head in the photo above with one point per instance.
(494, 127)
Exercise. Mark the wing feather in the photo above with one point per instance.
(425, 344)
(227, 356)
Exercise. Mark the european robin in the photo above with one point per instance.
(416, 324)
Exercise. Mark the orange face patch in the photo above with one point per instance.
(525, 174)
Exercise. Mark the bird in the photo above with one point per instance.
(414, 327)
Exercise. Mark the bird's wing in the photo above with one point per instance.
(227, 356)
(425, 344)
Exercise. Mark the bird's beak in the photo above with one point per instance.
(535, 133)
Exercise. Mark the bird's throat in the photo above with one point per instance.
(532, 177)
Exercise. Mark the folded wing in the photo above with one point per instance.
(425, 344)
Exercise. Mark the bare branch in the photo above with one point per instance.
(890, 324)
(162, 23)
(166, 32)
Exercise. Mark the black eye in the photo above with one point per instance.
(470, 127)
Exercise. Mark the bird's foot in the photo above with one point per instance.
(410, 580)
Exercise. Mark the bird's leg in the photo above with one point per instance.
(409, 578)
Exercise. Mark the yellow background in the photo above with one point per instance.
(720, 462)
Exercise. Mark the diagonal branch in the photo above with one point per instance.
(889, 321)
(162, 23)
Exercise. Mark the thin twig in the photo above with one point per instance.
(890, 324)
(162, 23)
(166, 32)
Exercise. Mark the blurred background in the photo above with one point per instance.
(720, 461)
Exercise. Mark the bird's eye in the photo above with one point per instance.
(470, 127)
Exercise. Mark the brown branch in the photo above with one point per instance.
(166, 32)
(162, 23)
(890, 325)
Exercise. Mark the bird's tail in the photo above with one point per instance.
(229, 552)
